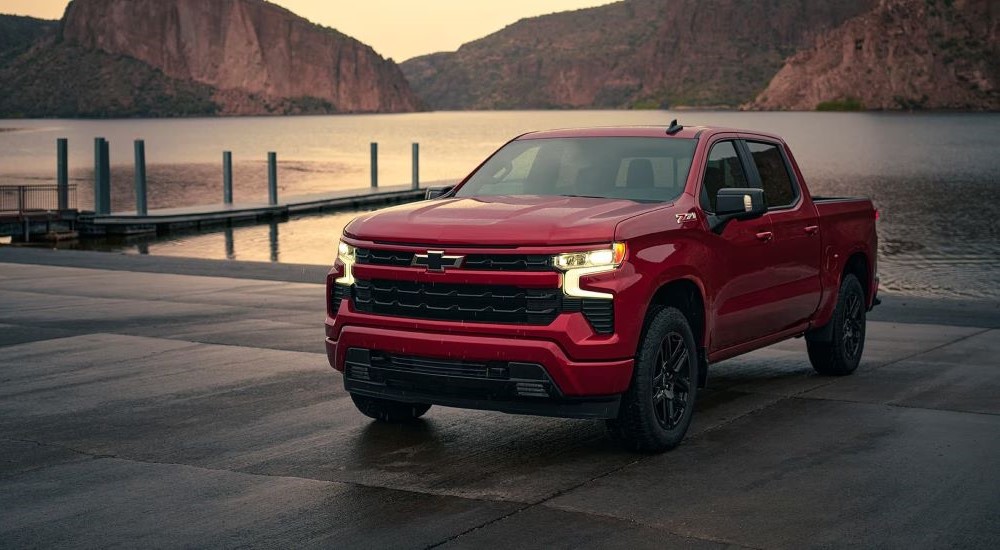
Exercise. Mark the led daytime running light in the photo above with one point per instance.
(347, 255)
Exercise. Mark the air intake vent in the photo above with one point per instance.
(358, 372)
(338, 293)
(599, 313)
(532, 389)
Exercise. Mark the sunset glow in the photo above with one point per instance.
(395, 28)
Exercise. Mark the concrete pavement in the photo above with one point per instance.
(158, 409)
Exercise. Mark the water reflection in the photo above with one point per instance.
(939, 233)
(230, 247)
(273, 240)
(301, 240)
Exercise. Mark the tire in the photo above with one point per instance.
(657, 408)
(391, 412)
(840, 353)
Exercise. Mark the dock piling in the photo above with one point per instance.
(106, 174)
(101, 177)
(62, 173)
(98, 178)
(227, 177)
(374, 164)
(272, 179)
(140, 177)
(416, 166)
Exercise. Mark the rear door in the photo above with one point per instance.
(794, 254)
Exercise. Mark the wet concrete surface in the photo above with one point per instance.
(156, 409)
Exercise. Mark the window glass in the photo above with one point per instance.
(723, 170)
(511, 176)
(774, 176)
(640, 168)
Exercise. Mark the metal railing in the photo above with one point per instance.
(22, 199)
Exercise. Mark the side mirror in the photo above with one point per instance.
(734, 203)
(435, 192)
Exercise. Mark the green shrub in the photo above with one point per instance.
(848, 104)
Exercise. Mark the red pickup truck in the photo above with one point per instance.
(596, 273)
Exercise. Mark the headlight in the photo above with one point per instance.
(605, 257)
(345, 252)
(348, 255)
(577, 264)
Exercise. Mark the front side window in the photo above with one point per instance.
(723, 170)
(632, 168)
(774, 176)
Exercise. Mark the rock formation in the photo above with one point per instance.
(242, 56)
(905, 54)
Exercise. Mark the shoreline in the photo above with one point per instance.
(895, 307)
(686, 109)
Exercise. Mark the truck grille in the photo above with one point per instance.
(478, 303)
(383, 257)
(485, 262)
(490, 304)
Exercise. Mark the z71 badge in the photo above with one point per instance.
(689, 217)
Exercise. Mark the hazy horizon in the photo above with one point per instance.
(395, 29)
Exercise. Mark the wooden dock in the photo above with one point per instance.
(194, 217)
(46, 212)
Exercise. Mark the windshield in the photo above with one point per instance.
(633, 168)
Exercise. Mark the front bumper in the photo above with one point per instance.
(506, 386)
(582, 356)
(578, 389)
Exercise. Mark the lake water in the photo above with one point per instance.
(933, 176)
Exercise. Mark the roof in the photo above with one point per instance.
(689, 132)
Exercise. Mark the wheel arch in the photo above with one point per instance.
(688, 296)
(858, 265)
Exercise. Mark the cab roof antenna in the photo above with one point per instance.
(674, 128)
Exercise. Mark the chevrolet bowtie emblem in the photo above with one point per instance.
(435, 260)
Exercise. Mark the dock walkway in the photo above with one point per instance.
(188, 217)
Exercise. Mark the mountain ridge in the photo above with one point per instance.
(634, 53)
(725, 54)
(226, 57)
(124, 58)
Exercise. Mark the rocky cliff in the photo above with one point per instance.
(183, 57)
(635, 53)
(905, 54)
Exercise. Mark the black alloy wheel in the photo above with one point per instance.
(854, 330)
(836, 349)
(671, 381)
(656, 410)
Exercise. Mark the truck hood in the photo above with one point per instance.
(502, 220)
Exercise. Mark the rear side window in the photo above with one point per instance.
(723, 170)
(774, 175)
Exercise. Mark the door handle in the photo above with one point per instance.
(812, 230)
(765, 236)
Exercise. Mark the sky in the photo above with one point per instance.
(399, 29)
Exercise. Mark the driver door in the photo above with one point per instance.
(743, 267)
